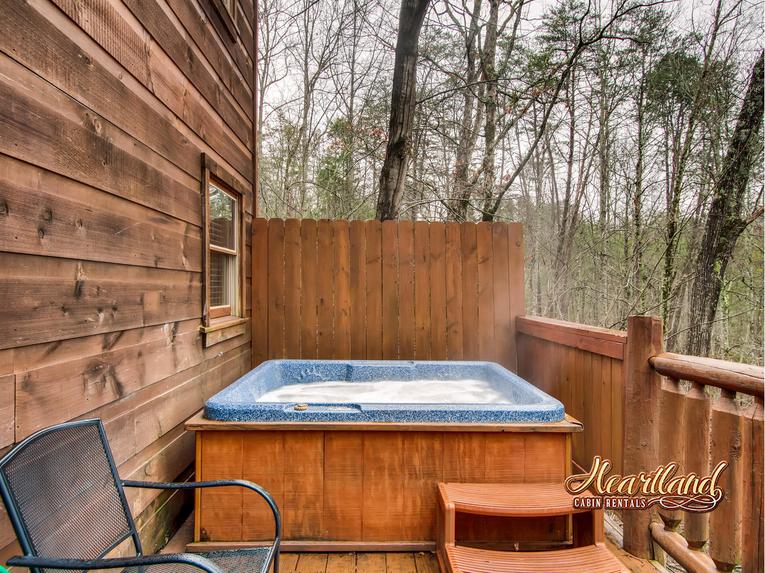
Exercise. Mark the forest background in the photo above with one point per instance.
(626, 136)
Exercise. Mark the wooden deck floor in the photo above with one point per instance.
(376, 562)
(358, 563)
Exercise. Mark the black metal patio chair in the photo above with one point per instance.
(67, 505)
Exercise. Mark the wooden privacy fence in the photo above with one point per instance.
(391, 290)
(582, 366)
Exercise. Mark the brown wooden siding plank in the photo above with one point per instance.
(43, 126)
(118, 32)
(97, 82)
(188, 58)
(50, 215)
(343, 453)
(56, 299)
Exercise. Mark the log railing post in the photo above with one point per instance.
(642, 387)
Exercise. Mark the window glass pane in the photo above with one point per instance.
(222, 219)
(223, 280)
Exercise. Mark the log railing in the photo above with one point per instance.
(695, 412)
(641, 408)
(700, 427)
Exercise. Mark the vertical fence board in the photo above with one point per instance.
(484, 254)
(503, 327)
(469, 293)
(259, 291)
(617, 415)
(390, 281)
(453, 292)
(406, 289)
(422, 291)
(438, 291)
(325, 280)
(276, 289)
(308, 291)
(517, 283)
(292, 284)
(342, 308)
(358, 286)
(374, 289)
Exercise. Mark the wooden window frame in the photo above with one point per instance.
(218, 318)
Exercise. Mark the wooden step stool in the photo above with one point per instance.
(588, 554)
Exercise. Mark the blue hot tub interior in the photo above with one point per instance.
(515, 400)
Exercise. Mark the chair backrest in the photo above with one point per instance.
(63, 494)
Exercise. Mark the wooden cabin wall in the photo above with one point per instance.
(106, 109)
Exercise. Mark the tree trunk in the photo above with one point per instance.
(468, 132)
(725, 221)
(393, 172)
(488, 63)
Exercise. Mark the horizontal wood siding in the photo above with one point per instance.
(583, 367)
(107, 109)
(392, 290)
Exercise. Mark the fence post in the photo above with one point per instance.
(642, 387)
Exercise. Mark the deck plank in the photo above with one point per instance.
(288, 562)
(426, 563)
(371, 563)
(400, 563)
(341, 563)
(312, 563)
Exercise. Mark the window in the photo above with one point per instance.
(223, 211)
(224, 253)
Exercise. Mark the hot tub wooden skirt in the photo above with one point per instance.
(354, 487)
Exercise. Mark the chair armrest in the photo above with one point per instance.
(218, 483)
(116, 562)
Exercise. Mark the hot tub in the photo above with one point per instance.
(352, 452)
(382, 391)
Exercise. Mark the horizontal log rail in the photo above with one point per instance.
(744, 378)
(593, 339)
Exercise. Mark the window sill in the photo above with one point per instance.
(223, 328)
